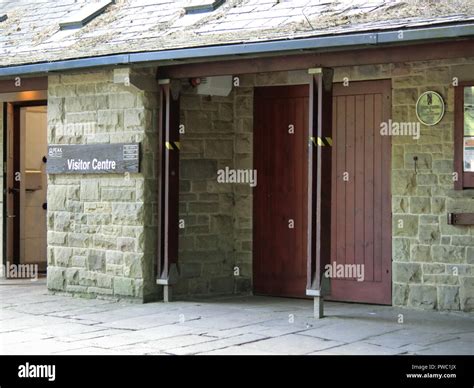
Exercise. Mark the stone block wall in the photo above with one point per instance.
(206, 240)
(433, 262)
(101, 228)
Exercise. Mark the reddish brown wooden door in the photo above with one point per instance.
(280, 197)
(361, 201)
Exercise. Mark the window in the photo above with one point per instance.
(200, 6)
(84, 15)
(464, 135)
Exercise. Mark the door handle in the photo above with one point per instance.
(12, 190)
(11, 215)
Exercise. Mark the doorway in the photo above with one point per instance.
(26, 184)
(280, 197)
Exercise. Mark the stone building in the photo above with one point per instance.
(288, 148)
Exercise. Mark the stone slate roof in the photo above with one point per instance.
(31, 32)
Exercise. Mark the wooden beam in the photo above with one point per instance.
(364, 56)
(168, 198)
(319, 183)
(22, 84)
(460, 218)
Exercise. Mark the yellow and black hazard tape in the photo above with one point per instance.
(321, 141)
(173, 145)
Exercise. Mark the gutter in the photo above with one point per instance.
(288, 45)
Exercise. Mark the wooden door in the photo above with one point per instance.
(280, 197)
(361, 200)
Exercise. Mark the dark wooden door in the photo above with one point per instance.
(280, 197)
(361, 201)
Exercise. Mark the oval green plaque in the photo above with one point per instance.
(430, 108)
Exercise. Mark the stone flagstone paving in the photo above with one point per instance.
(32, 321)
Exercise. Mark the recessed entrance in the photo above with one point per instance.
(361, 199)
(26, 184)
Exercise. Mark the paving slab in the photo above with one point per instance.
(63, 329)
(37, 347)
(292, 344)
(216, 344)
(160, 346)
(150, 321)
(362, 348)
(404, 337)
(463, 345)
(350, 330)
(97, 333)
(269, 331)
(20, 337)
(140, 336)
(92, 351)
(28, 322)
(237, 351)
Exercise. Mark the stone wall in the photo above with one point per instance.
(101, 228)
(206, 251)
(433, 262)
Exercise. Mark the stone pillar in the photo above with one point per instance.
(101, 228)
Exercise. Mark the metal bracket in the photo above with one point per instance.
(173, 276)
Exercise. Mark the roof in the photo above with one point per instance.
(31, 33)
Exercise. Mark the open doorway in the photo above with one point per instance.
(26, 185)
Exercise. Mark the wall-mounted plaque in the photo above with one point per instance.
(430, 108)
(93, 158)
